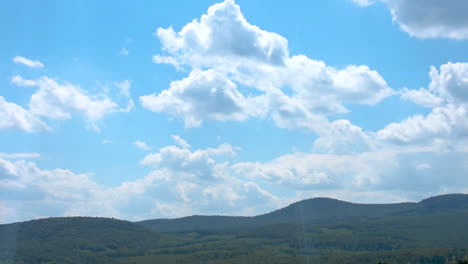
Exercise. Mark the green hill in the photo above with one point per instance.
(312, 210)
(319, 230)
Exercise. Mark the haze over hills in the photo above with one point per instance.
(314, 209)
(319, 230)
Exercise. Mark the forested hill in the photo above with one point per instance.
(313, 210)
(319, 230)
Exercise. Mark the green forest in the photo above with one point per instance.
(311, 231)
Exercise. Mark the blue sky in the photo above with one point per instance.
(157, 109)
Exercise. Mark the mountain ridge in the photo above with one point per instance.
(313, 230)
(305, 210)
(444, 199)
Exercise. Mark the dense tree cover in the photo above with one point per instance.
(313, 231)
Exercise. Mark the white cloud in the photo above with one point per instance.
(56, 100)
(364, 2)
(180, 141)
(342, 137)
(247, 72)
(431, 18)
(24, 180)
(202, 95)
(185, 182)
(13, 116)
(59, 101)
(159, 59)
(421, 97)
(20, 155)
(199, 164)
(450, 82)
(142, 145)
(428, 18)
(398, 170)
(19, 81)
(447, 122)
(124, 87)
(30, 192)
(106, 141)
(28, 62)
(223, 32)
(324, 89)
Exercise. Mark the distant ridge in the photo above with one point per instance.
(318, 230)
(314, 209)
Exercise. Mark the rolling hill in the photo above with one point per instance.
(319, 230)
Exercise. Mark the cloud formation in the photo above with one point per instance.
(448, 119)
(60, 100)
(13, 116)
(28, 62)
(428, 18)
(202, 95)
(239, 71)
(181, 183)
(180, 141)
(223, 32)
(142, 145)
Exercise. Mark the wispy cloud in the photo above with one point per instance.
(124, 52)
(20, 155)
(142, 145)
(28, 62)
(180, 141)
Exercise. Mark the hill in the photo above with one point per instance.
(319, 230)
(312, 210)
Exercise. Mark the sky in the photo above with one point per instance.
(161, 109)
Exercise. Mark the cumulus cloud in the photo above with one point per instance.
(32, 192)
(431, 18)
(342, 137)
(13, 116)
(325, 89)
(223, 32)
(421, 97)
(402, 170)
(445, 123)
(202, 95)
(167, 191)
(248, 72)
(448, 119)
(450, 82)
(199, 164)
(28, 62)
(61, 100)
(142, 145)
(184, 182)
(24, 180)
(428, 18)
(444, 127)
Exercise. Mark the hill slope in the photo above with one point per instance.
(317, 230)
(316, 209)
